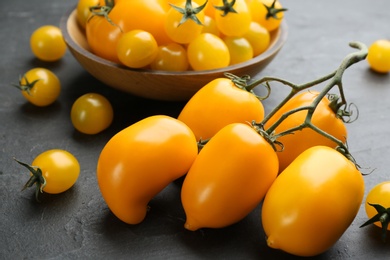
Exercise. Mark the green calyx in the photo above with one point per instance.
(27, 86)
(272, 11)
(227, 7)
(36, 178)
(103, 11)
(189, 12)
(383, 217)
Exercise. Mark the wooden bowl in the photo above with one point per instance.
(153, 84)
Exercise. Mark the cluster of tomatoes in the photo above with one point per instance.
(178, 35)
(229, 164)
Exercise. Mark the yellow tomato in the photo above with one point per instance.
(233, 23)
(312, 202)
(259, 13)
(324, 118)
(377, 207)
(258, 37)
(40, 87)
(47, 43)
(229, 178)
(140, 161)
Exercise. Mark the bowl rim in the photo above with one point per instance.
(280, 38)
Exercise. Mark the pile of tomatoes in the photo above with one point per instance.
(229, 163)
(179, 35)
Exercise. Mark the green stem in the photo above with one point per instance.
(36, 178)
(189, 12)
(335, 80)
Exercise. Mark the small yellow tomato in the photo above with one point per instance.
(53, 171)
(47, 43)
(171, 57)
(91, 113)
(185, 31)
(268, 19)
(233, 23)
(207, 52)
(379, 56)
(40, 86)
(258, 37)
(137, 48)
(377, 207)
(240, 49)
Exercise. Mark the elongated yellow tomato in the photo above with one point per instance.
(312, 202)
(324, 118)
(141, 160)
(229, 178)
(217, 104)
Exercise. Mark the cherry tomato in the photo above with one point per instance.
(47, 43)
(377, 207)
(91, 113)
(171, 57)
(53, 171)
(312, 202)
(137, 49)
(379, 56)
(40, 86)
(233, 23)
(83, 12)
(229, 178)
(207, 51)
(140, 161)
(258, 37)
(217, 104)
(259, 13)
(324, 118)
(184, 31)
(239, 48)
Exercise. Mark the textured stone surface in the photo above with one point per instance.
(78, 224)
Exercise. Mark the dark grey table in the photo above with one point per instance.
(78, 224)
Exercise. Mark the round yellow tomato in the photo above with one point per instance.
(40, 86)
(207, 51)
(47, 43)
(228, 178)
(240, 49)
(323, 117)
(184, 31)
(379, 56)
(233, 23)
(53, 171)
(217, 104)
(140, 161)
(91, 113)
(258, 37)
(377, 207)
(268, 19)
(171, 57)
(137, 49)
(312, 202)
